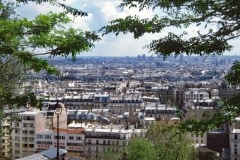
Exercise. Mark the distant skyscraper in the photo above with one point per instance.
(181, 59)
(144, 57)
(139, 57)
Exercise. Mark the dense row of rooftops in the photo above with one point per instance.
(104, 98)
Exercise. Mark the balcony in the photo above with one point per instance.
(104, 136)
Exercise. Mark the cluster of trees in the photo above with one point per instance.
(21, 37)
(161, 142)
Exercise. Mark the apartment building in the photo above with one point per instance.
(200, 98)
(81, 116)
(166, 93)
(234, 140)
(160, 111)
(23, 134)
(199, 139)
(81, 101)
(101, 101)
(5, 144)
(71, 140)
(234, 144)
(196, 94)
(48, 110)
(99, 139)
(128, 103)
(31, 122)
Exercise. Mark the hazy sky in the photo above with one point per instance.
(99, 13)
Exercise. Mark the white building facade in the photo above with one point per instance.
(23, 134)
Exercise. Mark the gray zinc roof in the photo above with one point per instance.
(52, 152)
(34, 157)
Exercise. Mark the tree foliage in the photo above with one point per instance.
(112, 152)
(170, 143)
(22, 38)
(67, 9)
(141, 149)
(233, 76)
(218, 18)
(12, 73)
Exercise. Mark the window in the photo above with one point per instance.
(47, 136)
(24, 145)
(31, 145)
(74, 144)
(17, 145)
(39, 136)
(44, 142)
(24, 131)
(28, 118)
(24, 138)
(235, 150)
(31, 138)
(60, 137)
(71, 137)
(17, 151)
(79, 138)
(31, 132)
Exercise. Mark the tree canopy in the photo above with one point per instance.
(219, 20)
(46, 33)
(140, 149)
(170, 143)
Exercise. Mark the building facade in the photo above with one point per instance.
(102, 139)
(24, 130)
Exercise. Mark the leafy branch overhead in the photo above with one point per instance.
(220, 19)
(67, 9)
(49, 34)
